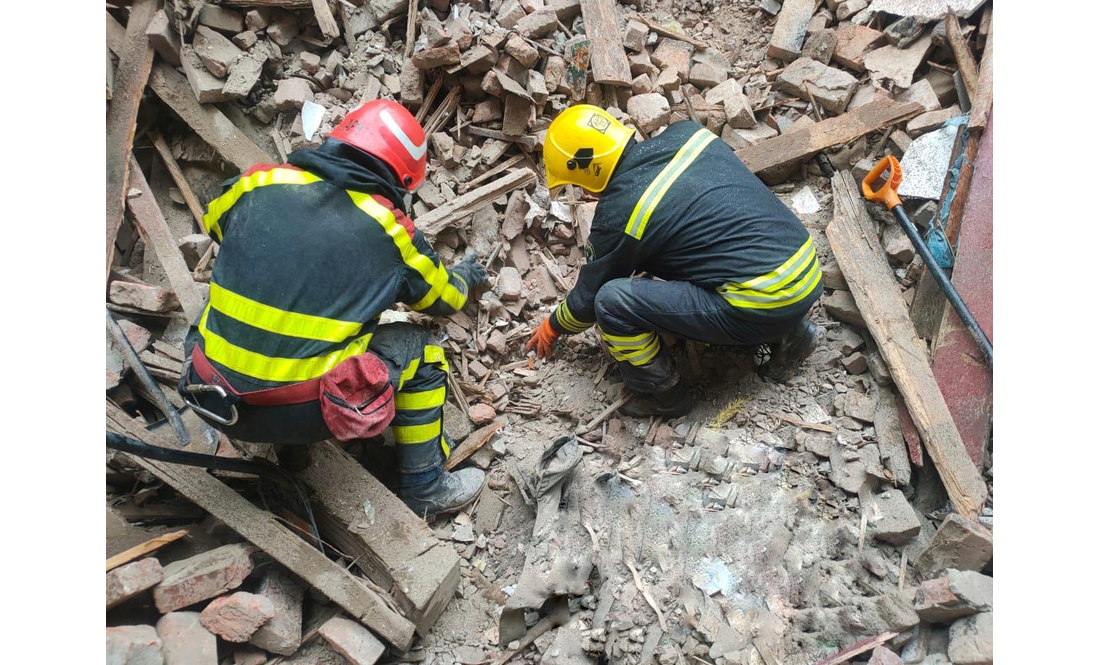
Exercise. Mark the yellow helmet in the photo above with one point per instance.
(582, 147)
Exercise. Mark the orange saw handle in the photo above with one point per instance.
(888, 193)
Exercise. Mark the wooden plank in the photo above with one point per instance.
(265, 532)
(177, 177)
(151, 545)
(525, 141)
(608, 56)
(804, 143)
(790, 29)
(861, 256)
(135, 60)
(475, 442)
(962, 374)
(392, 545)
(863, 646)
(981, 102)
(665, 32)
(158, 237)
(963, 57)
(207, 121)
(454, 210)
(325, 20)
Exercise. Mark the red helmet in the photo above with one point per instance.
(386, 130)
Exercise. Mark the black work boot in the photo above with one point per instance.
(788, 353)
(293, 457)
(449, 492)
(669, 403)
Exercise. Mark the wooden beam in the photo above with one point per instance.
(968, 68)
(863, 646)
(665, 32)
(392, 545)
(856, 246)
(205, 119)
(475, 442)
(135, 59)
(158, 237)
(325, 20)
(177, 177)
(525, 141)
(982, 101)
(151, 545)
(454, 210)
(608, 56)
(804, 143)
(265, 532)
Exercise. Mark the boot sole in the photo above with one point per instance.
(458, 508)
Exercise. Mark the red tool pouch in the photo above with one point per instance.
(357, 397)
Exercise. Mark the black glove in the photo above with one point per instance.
(471, 271)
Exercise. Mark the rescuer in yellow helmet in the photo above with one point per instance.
(736, 266)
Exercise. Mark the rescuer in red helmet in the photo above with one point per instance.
(289, 350)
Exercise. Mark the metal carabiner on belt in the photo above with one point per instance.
(200, 388)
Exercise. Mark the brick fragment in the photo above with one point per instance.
(206, 86)
(164, 39)
(440, 56)
(649, 112)
(957, 594)
(518, 48)
(283, 633)
(853, 42)
(127, 581)
(185, 640)
(292, 93)
(509, 284)
(790, 30)
(730, 94)
(538, 24)
(674, 54)
(959, 544)
(820, 46)
(142, 296)
(890, 517)
(517, 114)
(635, 35)
(221, 18)
(883, 656)
(354, 642)
(831, 88)
(236, 617)
(203, 576)
(283, 27)
(971, 640)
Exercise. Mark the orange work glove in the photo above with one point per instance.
(542, 340)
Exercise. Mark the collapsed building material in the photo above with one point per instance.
(128, 581)
(804, 143)
(981, 101)
(278, 542)
(148, 546)
(608, 56)
(419, 570)
(790, 30)
(859, 253)
(185, 641)
(135, 60)
(466, 205)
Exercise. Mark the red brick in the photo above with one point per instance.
(143, 296)
(186, 641)
(128, 581)
(283, 633)
(675, 54)
(352, 641)
(959, 544)
(482, 414)
(883, 656)
(203, 576)
(133, 645)
(237, 617)
(790, 29)
(139, 337)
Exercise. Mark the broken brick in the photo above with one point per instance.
(538, 24)
(517, 115)
(206, 86)
(922, 93)
(831, 88)
(509, 284)
(635, 35)
(890, 517)
(957, 594)
(283, 633)
(820, 46)
(221, 18)
(674, 54)
(243, 76)
(958, 543)
(203, 576)
(641, 85)
(731, 96)
(245, 40)
(164, 39)
(257, 19)
(841, 305)
(891, 67)
(897, 244)
(850, 8)
(790, 30)
(883, 656)
(706, 75)
(133, 645)
(282, 28)
(139, 337)
(352, 641)
(236, 617)
(142, 296)
(852, 44)
(482, 414)
(440, 56)
(185, 641)
(518, 48)
(971, 640)
(930, 121)
(292, 93)
(127, 581)
(649, 112)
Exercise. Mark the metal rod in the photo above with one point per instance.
(945, 283)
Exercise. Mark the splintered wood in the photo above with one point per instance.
(863, 261)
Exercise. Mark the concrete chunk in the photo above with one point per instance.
(959, 544)
(890, 517)
(127, 581)
(352, 641)
(971, 641)
(649, 112)
(283, 633)
(185, 640)
(831, 88)
(133, 645)
(203, 576)
(925, 164)
(891, 67)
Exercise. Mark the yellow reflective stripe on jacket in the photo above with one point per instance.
(434, 354)
(417, 433)
(245, 184)
(282, 322)
(639, 356)
(268, 368)
(786, 272)
(426, 399)
(568, 321)
(755, 299)
(408, 372)
(657, 189)
(434, 274)
(629, 341)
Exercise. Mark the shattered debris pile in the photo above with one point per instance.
(845, 516)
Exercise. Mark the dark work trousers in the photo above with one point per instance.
(630, 312)
(418, 372)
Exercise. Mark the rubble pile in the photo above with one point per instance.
(777, 523)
